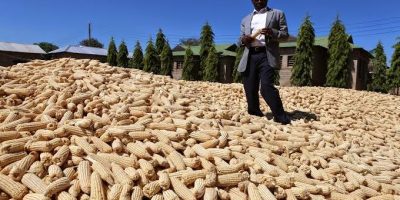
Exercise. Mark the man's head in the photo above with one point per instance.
(259, 4)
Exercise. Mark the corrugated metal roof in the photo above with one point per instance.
(81, 50)
(319, 41)
(23, 48)
(196, 50)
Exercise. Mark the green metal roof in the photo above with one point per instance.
(319, 41)
(221, 48)
(228, 53)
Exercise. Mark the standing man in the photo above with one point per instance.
(261, 32)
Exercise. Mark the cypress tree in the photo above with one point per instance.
(339, 52)
(237, 78)
(188, 72)
(122, 57)
(206, 42)
(211, 69)
(151, 62)
(277, 77)
(301, 71)
(160, 41)
(378, 83)
(137, 58)
(112, 53)
(166, 60)
(394, 71)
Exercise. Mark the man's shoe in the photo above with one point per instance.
(284, 120)
(259, 114)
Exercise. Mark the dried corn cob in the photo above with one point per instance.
(61, 156)
(65, 196)
(115, 192)
(170, 195)
(265, 192)
(232, 179)
(9, 135)
(177, 160)
(181, 190)
(138, 150)
(104, 172)
(75, 189)
(199, 188)
(202, 152)
(34, 183)
(235, 193)
(57, 186)
(22, 166)
(84, 174)
(12, 188)
(151, 189)
(163, 180)
(126, 192)
(96, 189)
(120, 160)
(101, 146)
(55, 172)
(120, 175)
(34, 196)
(6, 159)
(137, 193)
(32, 126)
(147, 168)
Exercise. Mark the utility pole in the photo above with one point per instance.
(90, 33)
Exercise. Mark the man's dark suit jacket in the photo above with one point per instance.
(277, 21)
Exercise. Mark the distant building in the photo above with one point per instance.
(358, 68)
(14, 53)
(80, 52)
(227, 55)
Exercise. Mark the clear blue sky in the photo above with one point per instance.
(66, 22)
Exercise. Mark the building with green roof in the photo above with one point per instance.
(227, 55)
(359, 66)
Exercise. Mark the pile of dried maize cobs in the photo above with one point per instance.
(80, 129)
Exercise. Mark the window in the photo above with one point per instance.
(291, 61)
(179, 65)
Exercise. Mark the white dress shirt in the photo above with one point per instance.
(258, 22)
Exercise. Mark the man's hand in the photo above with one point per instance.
(247, 40)
(267, 31)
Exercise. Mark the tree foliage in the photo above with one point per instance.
(339, 54)
(166, 60)
(394, 71)
(188, 71)
(47, 46)
(303, 64)
(277, 77)
(151, 59)
(236, 76)
(122, 56)
(189, 42)
(211, 68)
(92, 42)
(206, 42)
(112, 53)
(160, 41)
(137, 58)
(379, 82)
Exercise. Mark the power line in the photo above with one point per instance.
(379, 33)
(360, 27)
(368, 30)
(364, 22)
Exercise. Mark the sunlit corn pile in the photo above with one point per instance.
(80, 129)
